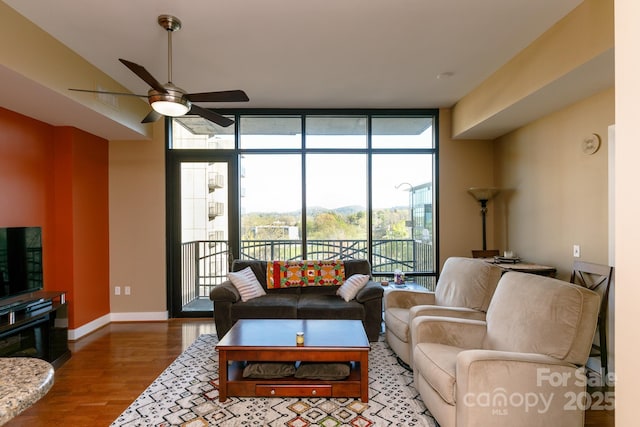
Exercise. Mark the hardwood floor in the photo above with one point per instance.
(108, 369)
(112, 366)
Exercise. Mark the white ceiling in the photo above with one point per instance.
(302, 53)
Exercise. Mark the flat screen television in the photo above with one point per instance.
(20, 260)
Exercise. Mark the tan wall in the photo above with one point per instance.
(581, 36)
(554, 195)
(462, 164)
(137, 224)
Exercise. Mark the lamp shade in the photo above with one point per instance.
(485, 194)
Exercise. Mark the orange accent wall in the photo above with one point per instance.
(57, 178)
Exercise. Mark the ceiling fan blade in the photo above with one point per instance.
(211, 116)
(108, 93)
(153, 116)
(221, 96)
(141, 72)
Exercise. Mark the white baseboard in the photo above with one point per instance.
(87, 328)
(145, 316)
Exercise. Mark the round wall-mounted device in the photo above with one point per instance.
(591, 144)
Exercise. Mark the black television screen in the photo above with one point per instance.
(20, 260)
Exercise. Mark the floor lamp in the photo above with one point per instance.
(483, 195)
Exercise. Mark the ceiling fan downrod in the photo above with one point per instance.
(171, 24)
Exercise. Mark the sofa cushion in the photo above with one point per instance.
(351, 286)
(293, 273)
(246, 283)
(372, 291)
(269, 370)
(259, 269)
(266, 307)
(328, 307)
(467, 282)
(313, 290)
(524, 303)
(436, 363)
(323, 371)
(356, 266)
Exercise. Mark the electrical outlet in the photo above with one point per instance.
(576, 251)
(116, 290)
(127, 290)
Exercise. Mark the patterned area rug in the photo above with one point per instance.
(185, 395)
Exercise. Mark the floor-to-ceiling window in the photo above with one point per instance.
(288, 184)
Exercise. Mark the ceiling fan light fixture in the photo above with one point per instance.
(171, 108)
(173, 103)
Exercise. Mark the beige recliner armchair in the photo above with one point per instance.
(464, 289)
(522, 367)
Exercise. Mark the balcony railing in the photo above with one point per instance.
(215, 209)
(215, 181)
(205, 263)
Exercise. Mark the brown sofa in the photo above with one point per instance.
(299, 303)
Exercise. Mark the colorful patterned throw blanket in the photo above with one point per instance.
(294, 274)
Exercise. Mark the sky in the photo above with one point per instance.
(273, 182)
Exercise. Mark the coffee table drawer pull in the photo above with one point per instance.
(293, 390)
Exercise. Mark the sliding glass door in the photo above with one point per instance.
(201, 248)
(202, 186)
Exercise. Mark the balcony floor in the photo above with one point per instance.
(200, 304)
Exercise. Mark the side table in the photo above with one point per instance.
(409, 286)
(524, 267)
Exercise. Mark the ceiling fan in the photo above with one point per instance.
(170, 100)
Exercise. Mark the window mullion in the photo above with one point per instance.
(303, 160)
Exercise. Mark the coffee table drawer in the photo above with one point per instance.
(293, 390)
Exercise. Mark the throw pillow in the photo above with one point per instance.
(302, 273)
(269, 370)
(323, 371)
(352, 286)
(247, 284)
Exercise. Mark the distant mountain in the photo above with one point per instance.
(344, 210)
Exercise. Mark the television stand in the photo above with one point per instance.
(35, 325)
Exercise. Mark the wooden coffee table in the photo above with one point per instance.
(274, 340)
